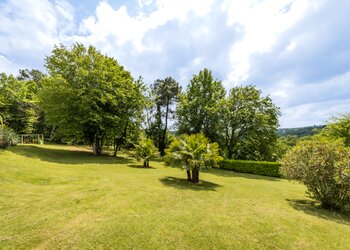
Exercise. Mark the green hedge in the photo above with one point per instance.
(252, 167)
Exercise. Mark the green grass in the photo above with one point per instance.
(54, 197)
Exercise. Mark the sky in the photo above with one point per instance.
(295, 51)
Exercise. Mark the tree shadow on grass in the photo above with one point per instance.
(66, 156)
(139, 166)
(229, 173)
(185, 184)
(313, 208)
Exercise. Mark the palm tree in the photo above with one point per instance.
(193, 153)
(145, 151)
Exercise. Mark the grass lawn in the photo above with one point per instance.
(54, 197)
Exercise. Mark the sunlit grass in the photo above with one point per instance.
(64, 197)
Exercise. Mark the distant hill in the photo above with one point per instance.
(300, 132)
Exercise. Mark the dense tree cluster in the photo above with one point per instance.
(244, 123)
(89, 98)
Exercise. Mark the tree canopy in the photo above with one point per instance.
(338, 128)
(164, 93)
(248, 124)
(19, 103)
(87, 93)
(198, 107)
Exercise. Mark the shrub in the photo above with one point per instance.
(7, 137)
(145, 151)
(252, 167)
(324, 167)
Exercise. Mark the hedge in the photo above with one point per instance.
(252, 167)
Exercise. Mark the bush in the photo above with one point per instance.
(324, 167)
(7, 137)
(252, 167)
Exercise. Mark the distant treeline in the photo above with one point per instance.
(300, 132)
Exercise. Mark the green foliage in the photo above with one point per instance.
(163, 96)
(19, 103)
(198, 107)
(8, 137)
(193, 153)
(145, 150)
(338, 128)
(283, 144)
(88, 96)
(324, 167)
(248, 124)
(252, 167)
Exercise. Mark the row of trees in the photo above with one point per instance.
(88, 97)
(243, 123)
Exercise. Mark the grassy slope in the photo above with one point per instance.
(53, 197)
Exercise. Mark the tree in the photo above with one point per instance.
(324, 167)
(164, 93)
(193, 153)
(86, 94)
(145, 150)
(128, 124)
(198, 107)
(338, 128)
(248, 124)
(19, 103)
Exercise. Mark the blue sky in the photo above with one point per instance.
(296, 51)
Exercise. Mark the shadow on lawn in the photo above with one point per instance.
(228, 173)
(66, 156)
(139, 166)
(313, 208)
(185, 184)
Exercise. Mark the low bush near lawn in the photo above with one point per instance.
(7, 137)
(324, 168)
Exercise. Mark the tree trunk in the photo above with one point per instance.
(115, 148)
(145, 164)
(229, 153)
(195, 175)
(97, 146)
(159, 126)
(163, 141)
(188, 175)
(148, 164)
(119, 141)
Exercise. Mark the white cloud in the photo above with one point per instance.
(29, 29)
(313, 102)
(118, 24)
(263, 22)
(313, 113)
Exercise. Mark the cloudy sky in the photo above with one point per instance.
(296, 51)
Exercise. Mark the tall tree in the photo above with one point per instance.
(86, 94)
(248, 124)
(19, 103)
(198, 108)
(165, 93)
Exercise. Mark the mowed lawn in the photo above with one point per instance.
(60, 197)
